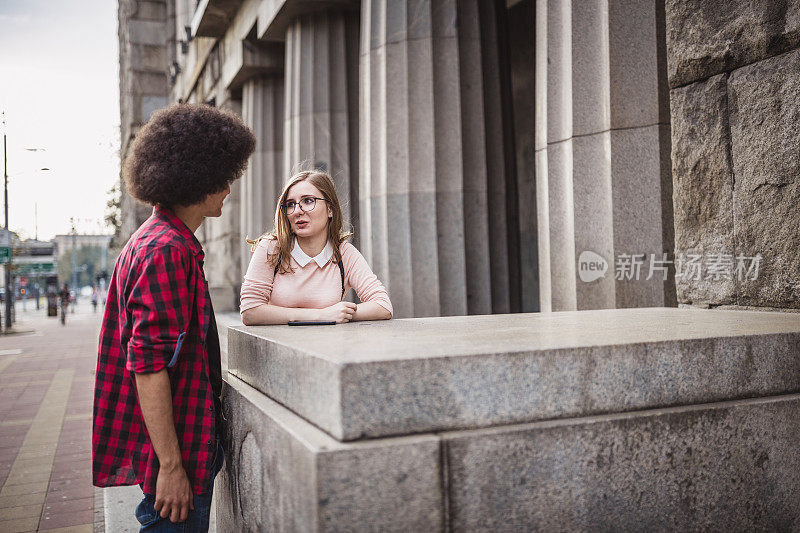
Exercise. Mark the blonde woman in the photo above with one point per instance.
(301, 271)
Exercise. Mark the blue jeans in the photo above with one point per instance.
(198, 517)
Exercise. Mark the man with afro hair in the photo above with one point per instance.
(158, 380)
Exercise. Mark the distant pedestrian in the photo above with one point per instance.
(158, 380)
(64, 297)
(94, 297)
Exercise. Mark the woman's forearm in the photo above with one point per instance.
(266, 314)
(371, 311)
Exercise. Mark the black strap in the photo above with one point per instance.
(214, 365)
(341, 271)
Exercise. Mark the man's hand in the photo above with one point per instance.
(173, 494)
(173, 490)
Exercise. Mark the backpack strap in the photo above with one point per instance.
(341, 271)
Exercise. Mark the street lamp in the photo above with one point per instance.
(8, 294)
(74, 257)
(9, 291)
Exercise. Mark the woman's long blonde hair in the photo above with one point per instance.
(283, 233)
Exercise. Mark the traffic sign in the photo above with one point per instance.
(5, 238)
(35, 268)
(5, 254)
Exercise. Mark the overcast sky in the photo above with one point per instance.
(59, 89)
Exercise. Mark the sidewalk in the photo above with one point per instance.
(46, 390)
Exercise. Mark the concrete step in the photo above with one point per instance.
(410, 376)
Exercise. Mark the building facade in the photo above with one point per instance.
(64, 243)
(496, 156)
(143, 84)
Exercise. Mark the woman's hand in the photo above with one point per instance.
(340, 312)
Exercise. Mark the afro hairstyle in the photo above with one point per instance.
(186, 152)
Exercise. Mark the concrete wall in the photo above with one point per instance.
(735, 99)
(613, 420)
(144, 34)
(726, 466)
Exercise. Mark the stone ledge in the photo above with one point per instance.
(275, 17)
(212, 17)
(415, 375)
(724, 466)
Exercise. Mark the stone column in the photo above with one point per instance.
(601, 156)
(641, 166)
(144, 32)
(554, 155)
(321, 100)
(431, 181)
(540, 143)
(262, 111)
(221, 240)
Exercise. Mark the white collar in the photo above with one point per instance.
(320, 259)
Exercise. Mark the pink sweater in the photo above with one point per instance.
(309, 286)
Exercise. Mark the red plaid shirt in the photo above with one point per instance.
(157, 314)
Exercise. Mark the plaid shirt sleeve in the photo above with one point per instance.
(160, 309)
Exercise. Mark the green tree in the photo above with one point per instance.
(114, 210)
(88, 260)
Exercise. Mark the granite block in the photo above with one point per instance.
(561, 224)
(283, 474)
(398, 377)
(594, 216)
(637, 64)
(590, 81)
(542, 86)
(702, 185)
(149, 32)
(543, 231)
(764, 107)
(559, 70)
(725, 467)
(704, 39)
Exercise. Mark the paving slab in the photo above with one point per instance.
(46, 382)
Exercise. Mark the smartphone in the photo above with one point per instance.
(312, 323)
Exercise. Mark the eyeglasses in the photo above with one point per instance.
(306, 204)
